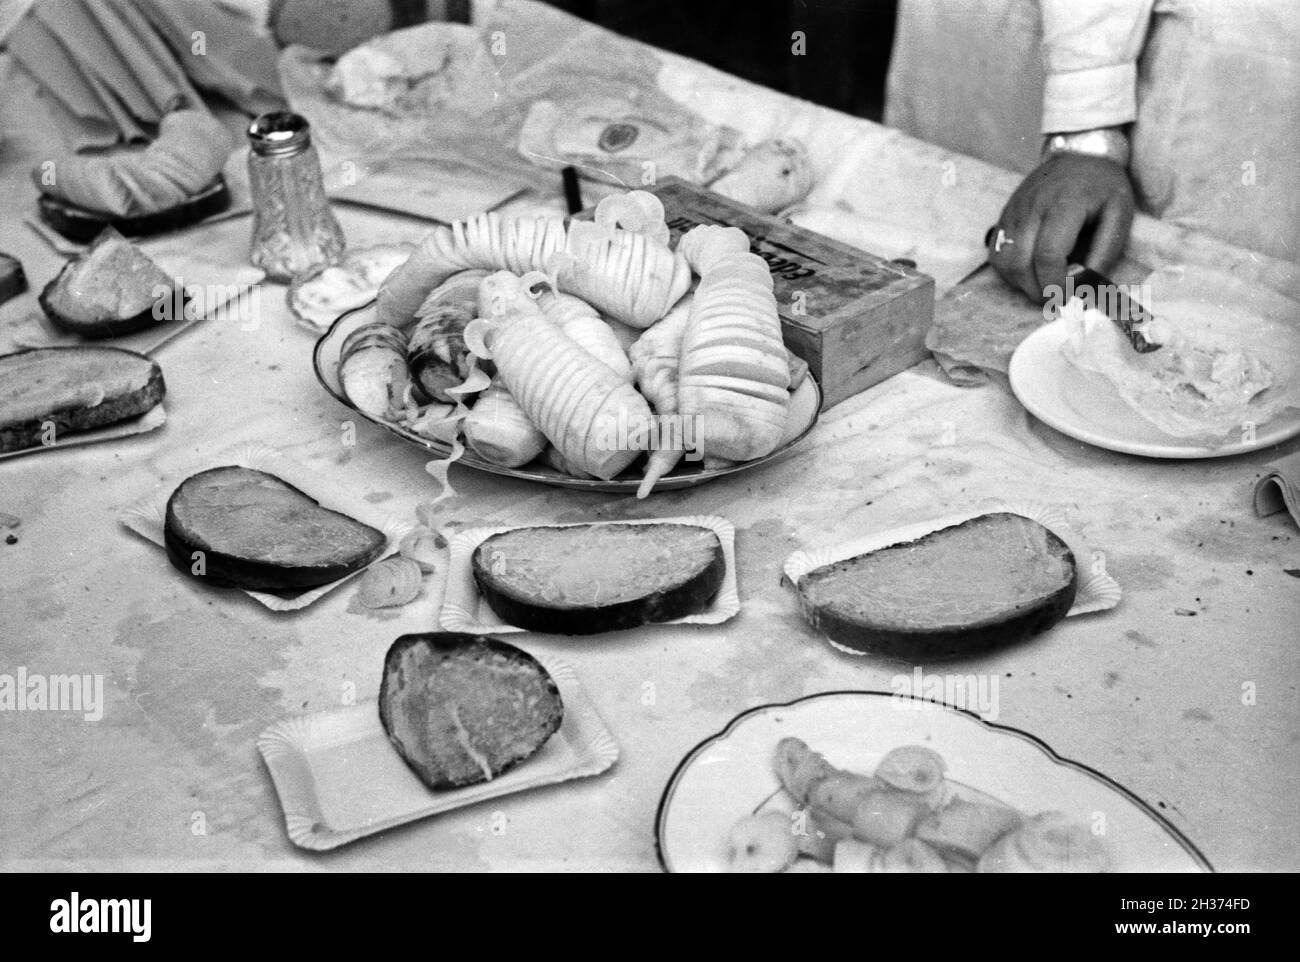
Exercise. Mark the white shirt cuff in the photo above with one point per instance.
(1086, 99)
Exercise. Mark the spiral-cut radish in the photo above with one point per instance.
(486, 241)
(372, 368)
(555, 460)
(505, 294)
(733, 374)
(656, 357)
(498, 430)
(638, 211)
(630, 276)
(704, 246)
(586, 410)
(582, 322)
(459, 290)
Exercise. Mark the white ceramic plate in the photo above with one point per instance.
(340, 779)
(463, 608)
(730, 775)
(1087, 408)
(805, 404)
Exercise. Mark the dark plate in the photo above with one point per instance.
(82, 225)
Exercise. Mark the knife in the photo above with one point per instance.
(1099, 291)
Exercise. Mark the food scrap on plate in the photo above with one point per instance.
(904, 817)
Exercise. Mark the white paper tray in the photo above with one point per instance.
(1097, 590)
(340, 779)
(464, 609)
(228, 284)
(146, 517)
(151, 420)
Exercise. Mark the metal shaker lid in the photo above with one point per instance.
(280, 133)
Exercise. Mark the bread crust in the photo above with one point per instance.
(535, 614)
(232, 571)
(13, 281)
(82, 225)
(20, 435)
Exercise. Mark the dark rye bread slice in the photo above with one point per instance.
(590, 578)
(993, 580)
(111, 290)
(82, 225)
(259, 532)
(461, 709)
(49, 392)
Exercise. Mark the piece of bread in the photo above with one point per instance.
(461, 709)
(183, 161)
(993, 580)
(82, 225)
(111, 290)
(48, 392)
(250, 529)
(590, 578)
(12, 279)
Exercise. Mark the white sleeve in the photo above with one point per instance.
(1090, 51)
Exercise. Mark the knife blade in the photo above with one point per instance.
(1100, 292)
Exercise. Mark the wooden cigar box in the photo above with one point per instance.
(854, 317)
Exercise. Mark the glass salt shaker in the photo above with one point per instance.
(294, 229)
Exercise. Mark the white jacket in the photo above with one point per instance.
(1212, 89)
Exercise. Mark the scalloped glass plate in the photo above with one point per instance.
(805, 405)
(340, 779)
(729, 775)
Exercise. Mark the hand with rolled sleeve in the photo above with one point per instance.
(1041, 225)
(1090, 54)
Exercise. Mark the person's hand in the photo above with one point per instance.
(1041, 225)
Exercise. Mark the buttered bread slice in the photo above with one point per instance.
(237, 526)
(589, 578)
(49, 392)
(993, 580)
(461, 709)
